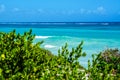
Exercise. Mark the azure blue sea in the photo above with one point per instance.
(96, 37)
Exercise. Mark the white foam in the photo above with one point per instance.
(42, 37)
(49, 46)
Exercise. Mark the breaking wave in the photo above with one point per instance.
(49, 46)
(42, 37)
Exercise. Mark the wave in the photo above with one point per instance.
(42, 37)
(49, 46)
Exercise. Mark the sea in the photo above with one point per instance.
(96, 36)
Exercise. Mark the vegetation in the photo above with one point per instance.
(111, 57)
(20, 59)
(101, 69)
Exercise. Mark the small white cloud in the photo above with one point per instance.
(63, 12)
(99, 10)
(89, 11)
(82, 11)
(85, 11)
(2, 7)
(40, 10)
(16, 9)
(70, 12)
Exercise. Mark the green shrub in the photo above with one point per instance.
(20, 59)
(18, 55)
(111, 57)
(106, 65)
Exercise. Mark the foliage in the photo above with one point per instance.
(106, 65)
(18, 56)
(20, 59)
(111, 57)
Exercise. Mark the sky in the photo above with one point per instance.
(59, 10)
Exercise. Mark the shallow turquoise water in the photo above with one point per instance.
(96, 38)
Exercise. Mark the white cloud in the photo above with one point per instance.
(89, 11)
(82, 11)
(2, 7)
(70, 12)
(99, 10)
(16, 9)
(85, 11)
(40, 10)
(63, 12)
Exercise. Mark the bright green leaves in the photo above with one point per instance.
(105, 65)
(18, 54)
(0, 71)
(72, 56)
(2, 57)
(110, 57)
(20, 59)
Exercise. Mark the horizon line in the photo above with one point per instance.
(63, 22)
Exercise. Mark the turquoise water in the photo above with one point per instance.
(96, 38)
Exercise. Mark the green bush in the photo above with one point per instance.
(106, 65)
(20, 59)
(111, 57)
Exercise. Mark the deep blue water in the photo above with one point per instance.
(96, 38)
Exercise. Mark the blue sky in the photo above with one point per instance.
(59, 10)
